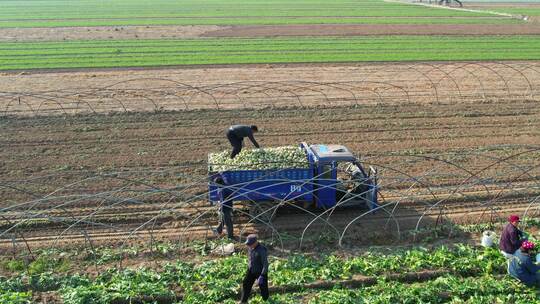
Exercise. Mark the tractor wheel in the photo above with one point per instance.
(263, 212)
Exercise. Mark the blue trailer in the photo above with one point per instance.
(321, 184)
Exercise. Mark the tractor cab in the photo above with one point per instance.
(339, 178)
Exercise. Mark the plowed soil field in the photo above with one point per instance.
(136, 175)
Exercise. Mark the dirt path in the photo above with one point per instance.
(199, 31)
(375, 29)
(293, 224)
(104, 33)
(263, 86)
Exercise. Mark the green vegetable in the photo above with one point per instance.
(219, 280)
(131, 53)
(10, 297)
(259, 159)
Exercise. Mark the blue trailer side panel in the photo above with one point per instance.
(267, 185)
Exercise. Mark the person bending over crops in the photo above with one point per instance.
(225, 208)
(511, 237)
(522, 266)
(257, 269)
(236, 135)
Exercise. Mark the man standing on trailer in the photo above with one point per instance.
(257, 269)
(236, 135)
(511, 237)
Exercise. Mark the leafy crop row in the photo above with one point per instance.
(461, 259)
(447, 289)
(218, 280)
(191, 12)
(14, 297)
(275, 50)
(220, 8)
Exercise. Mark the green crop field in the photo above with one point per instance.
(196, 12)
(88, 52)
(466, 275)
(126, 53)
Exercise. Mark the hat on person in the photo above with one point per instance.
(513, 218)
(251, 239)
(528, 245)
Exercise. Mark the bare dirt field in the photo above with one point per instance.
(265, 86)
(198, 31)
(104, 32)
(375, 29)
(142, 141)
(61, 168)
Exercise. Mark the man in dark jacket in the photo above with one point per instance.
(225, 208)
(511, 237)
(257, 269)
(522, 266)
(236, 135)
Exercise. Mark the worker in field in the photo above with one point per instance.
(236, 135)
(511, 237)
(257, 269)
(225, 208)
(522, 266)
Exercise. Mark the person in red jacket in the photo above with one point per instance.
(511, 237)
